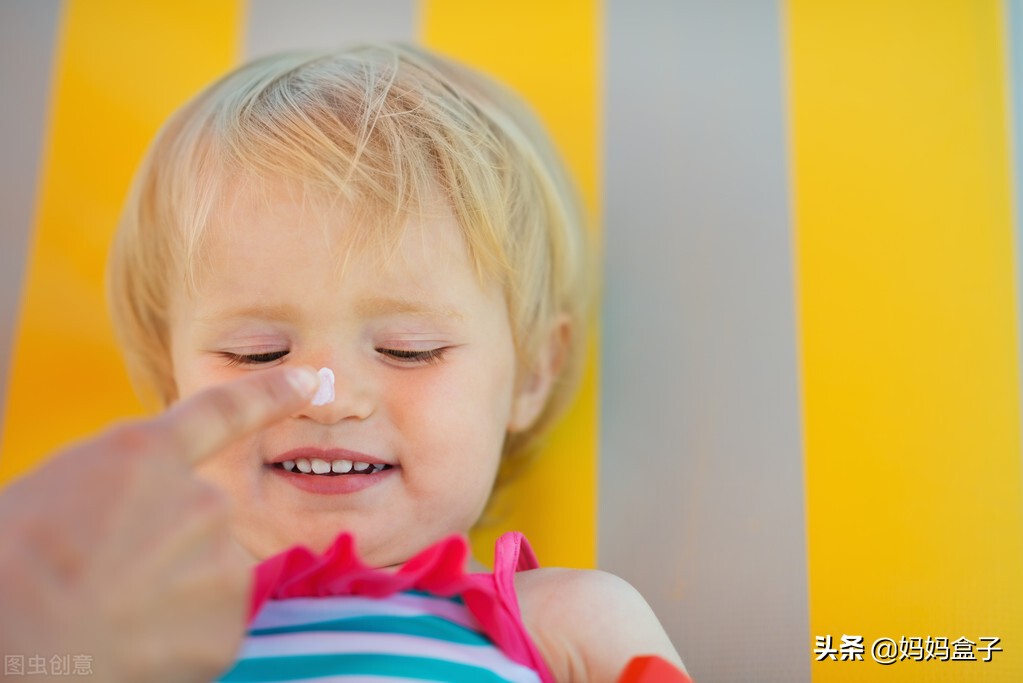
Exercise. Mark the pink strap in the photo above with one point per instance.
(502, 618)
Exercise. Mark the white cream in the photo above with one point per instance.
(325, 392)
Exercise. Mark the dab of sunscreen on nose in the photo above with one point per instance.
(325, 392)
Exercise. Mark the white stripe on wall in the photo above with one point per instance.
(274, 26)
(701, 460)
(28, 33)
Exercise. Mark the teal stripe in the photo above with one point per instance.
(457, 599)
(423, 627)
(298, 667)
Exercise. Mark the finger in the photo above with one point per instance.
(207, 422)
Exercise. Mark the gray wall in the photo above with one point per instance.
(274, 26)
(28, 30)
(700, 424)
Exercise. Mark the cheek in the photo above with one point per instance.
(468, 402)
(193, 374)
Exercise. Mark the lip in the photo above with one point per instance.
(327, 454)
(330, 485)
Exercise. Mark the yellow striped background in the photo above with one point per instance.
(908, 329)
(67, 379)
(901, 190)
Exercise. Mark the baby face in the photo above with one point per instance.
(424, 377)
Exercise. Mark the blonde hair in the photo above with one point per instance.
(379, 128)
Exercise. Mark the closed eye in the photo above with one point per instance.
(411, 357)
(253, 358)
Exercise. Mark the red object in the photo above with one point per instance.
(651, 669)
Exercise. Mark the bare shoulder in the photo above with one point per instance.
(588, 624)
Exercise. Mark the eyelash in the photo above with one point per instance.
(403, 356)
(234, 359)
(400, 355)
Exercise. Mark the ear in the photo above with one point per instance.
(535, 383)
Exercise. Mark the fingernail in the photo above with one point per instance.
(304, 379)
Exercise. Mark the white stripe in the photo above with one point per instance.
(358, 679)
(298, 611)
(323, 642)
(379, 679)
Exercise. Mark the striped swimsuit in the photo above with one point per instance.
(331, 618)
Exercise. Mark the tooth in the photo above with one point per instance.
(320, 466)
(341, 466)
(289, 465)
(361, 466)
(378, 468)
(303, 465)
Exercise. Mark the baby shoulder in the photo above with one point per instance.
(588, 624)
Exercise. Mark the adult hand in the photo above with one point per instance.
(115, 551)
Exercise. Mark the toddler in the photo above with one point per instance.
(401, 222)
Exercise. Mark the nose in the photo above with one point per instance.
(350, 398)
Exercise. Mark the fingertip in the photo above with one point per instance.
(304, 379)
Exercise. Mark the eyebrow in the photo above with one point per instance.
(366, 308)
(378, 306)
(281, 312)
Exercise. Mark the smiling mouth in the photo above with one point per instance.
(330, 468)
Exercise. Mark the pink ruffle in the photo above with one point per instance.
(439, 570)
